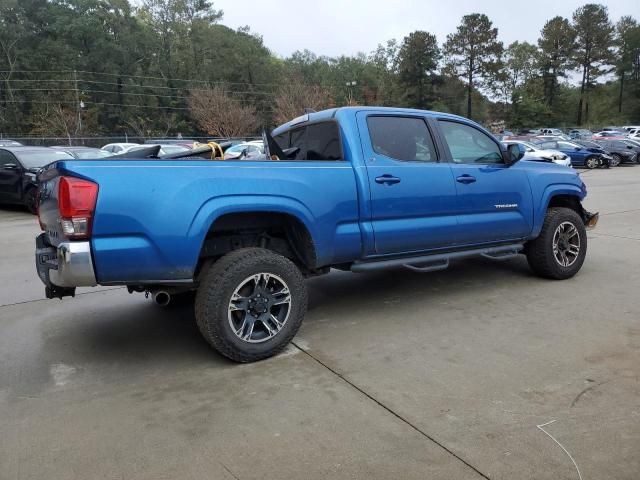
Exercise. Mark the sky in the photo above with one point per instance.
(346, 27)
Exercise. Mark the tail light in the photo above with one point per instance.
(76, 203)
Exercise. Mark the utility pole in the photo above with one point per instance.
(350, 86)
(79, 104)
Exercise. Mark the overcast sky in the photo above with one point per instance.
(345, 27)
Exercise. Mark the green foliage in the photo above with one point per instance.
(417, 62)
(134, 65)
(473, 52)
(593, 53)
(556, 45)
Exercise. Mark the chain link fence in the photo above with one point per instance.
(99, 142)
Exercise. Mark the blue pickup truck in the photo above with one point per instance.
(358, 188)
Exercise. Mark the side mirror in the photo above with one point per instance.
(578, 148)
(10, 166)
(515, 152)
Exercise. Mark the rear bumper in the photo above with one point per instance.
(68, 265)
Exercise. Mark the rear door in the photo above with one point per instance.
(494, 201)
(413, 196)
(10, 177)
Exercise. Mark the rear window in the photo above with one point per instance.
(37, 159)
(318, 141)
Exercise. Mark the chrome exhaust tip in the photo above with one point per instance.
(162, 297)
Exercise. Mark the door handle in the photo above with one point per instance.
(466, 179)
(387, 179)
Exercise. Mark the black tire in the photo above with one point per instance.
(591, 162)
(615, 160)
(30, 200)
(540, 252)
(214, 295)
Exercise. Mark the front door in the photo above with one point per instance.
(494, 200)
(413, 196)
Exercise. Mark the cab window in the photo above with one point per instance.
(470, 145)
(401, 138)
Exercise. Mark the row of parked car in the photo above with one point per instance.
(609, 147)
(20, 164)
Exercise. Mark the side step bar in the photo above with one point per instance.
(439, 261)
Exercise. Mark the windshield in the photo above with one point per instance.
(38, 159)
(237, 148)
(530, 145)
(173, 149)
(88, 154)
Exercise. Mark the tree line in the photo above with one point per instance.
(162, 67)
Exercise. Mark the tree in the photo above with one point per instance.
(556, 44)
(417, 61)
(220, 115)
(628, 50)
(519, 63)
(473, 52)
(593, 54)
(292, 98)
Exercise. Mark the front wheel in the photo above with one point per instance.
(615, 160)
(560, 249)
(250, 304)
(31, 200)
(591, 163)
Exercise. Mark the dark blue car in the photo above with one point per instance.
(580, 155)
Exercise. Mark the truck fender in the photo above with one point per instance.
(551, 191)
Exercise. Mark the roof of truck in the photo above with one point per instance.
(323, 115)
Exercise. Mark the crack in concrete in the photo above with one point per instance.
(46, 299)
(391, 411)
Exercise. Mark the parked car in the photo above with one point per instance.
(579, 133)
(184, 142)
(622, 151)
(551, 137)
(633, 131)
(19, 167)
(244, 150)
(631, 127)
(118, 148)
(533, 152)
(613, 162)
(608, 134)
(580, 156)
(362, 189)
(164, 149)
(4, 142)
(84, 153)
(555, 132)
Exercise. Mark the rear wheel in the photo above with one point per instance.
(250, 304)
(560, 249)
(591, 163)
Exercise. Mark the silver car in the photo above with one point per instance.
(532, 152)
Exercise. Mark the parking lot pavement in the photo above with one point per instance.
(394, 374)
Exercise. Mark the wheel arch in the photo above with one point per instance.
(266, 226)
(567, 196)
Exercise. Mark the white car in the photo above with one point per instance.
(532, 152)
(164, 149)
(250, 149)
(117, 148)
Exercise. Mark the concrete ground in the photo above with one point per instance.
(393, 375)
